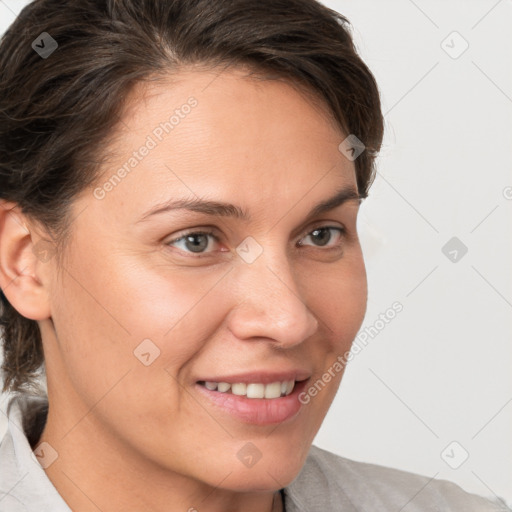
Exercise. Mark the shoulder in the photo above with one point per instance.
(24, 486)
(330, 482)
(9, 477)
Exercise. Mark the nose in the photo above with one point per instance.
(270, 304)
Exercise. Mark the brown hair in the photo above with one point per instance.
(57, 114)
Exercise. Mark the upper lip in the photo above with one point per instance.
(260, 376)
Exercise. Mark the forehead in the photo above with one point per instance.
(232, 102)
(223, 134)
(236, 84)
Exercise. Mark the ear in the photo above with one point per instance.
(22, 263)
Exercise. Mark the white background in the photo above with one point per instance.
(440, 371)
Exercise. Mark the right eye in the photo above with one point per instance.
(195, 242)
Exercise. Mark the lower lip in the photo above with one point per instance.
(257, 411)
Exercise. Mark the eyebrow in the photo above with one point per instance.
(222, 209)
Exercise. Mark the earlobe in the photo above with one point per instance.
(21, 266)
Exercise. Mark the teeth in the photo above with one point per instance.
(273, 390)
(223, 386)
(239, 389)
(253, 390)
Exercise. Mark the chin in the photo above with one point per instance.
(265, 479)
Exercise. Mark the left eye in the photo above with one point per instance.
(323, 235)
(198, 241)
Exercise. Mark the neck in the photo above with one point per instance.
(88, 457)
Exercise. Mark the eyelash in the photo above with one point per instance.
(211, 233)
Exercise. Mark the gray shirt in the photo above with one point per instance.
(326, 483)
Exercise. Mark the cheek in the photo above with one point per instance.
(338, 297)
(109, 317)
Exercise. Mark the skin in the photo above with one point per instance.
(261, 145)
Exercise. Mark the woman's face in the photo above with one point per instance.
(142, 315)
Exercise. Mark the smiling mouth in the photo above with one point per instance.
(272, 390)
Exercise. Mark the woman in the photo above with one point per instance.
(180, 182)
